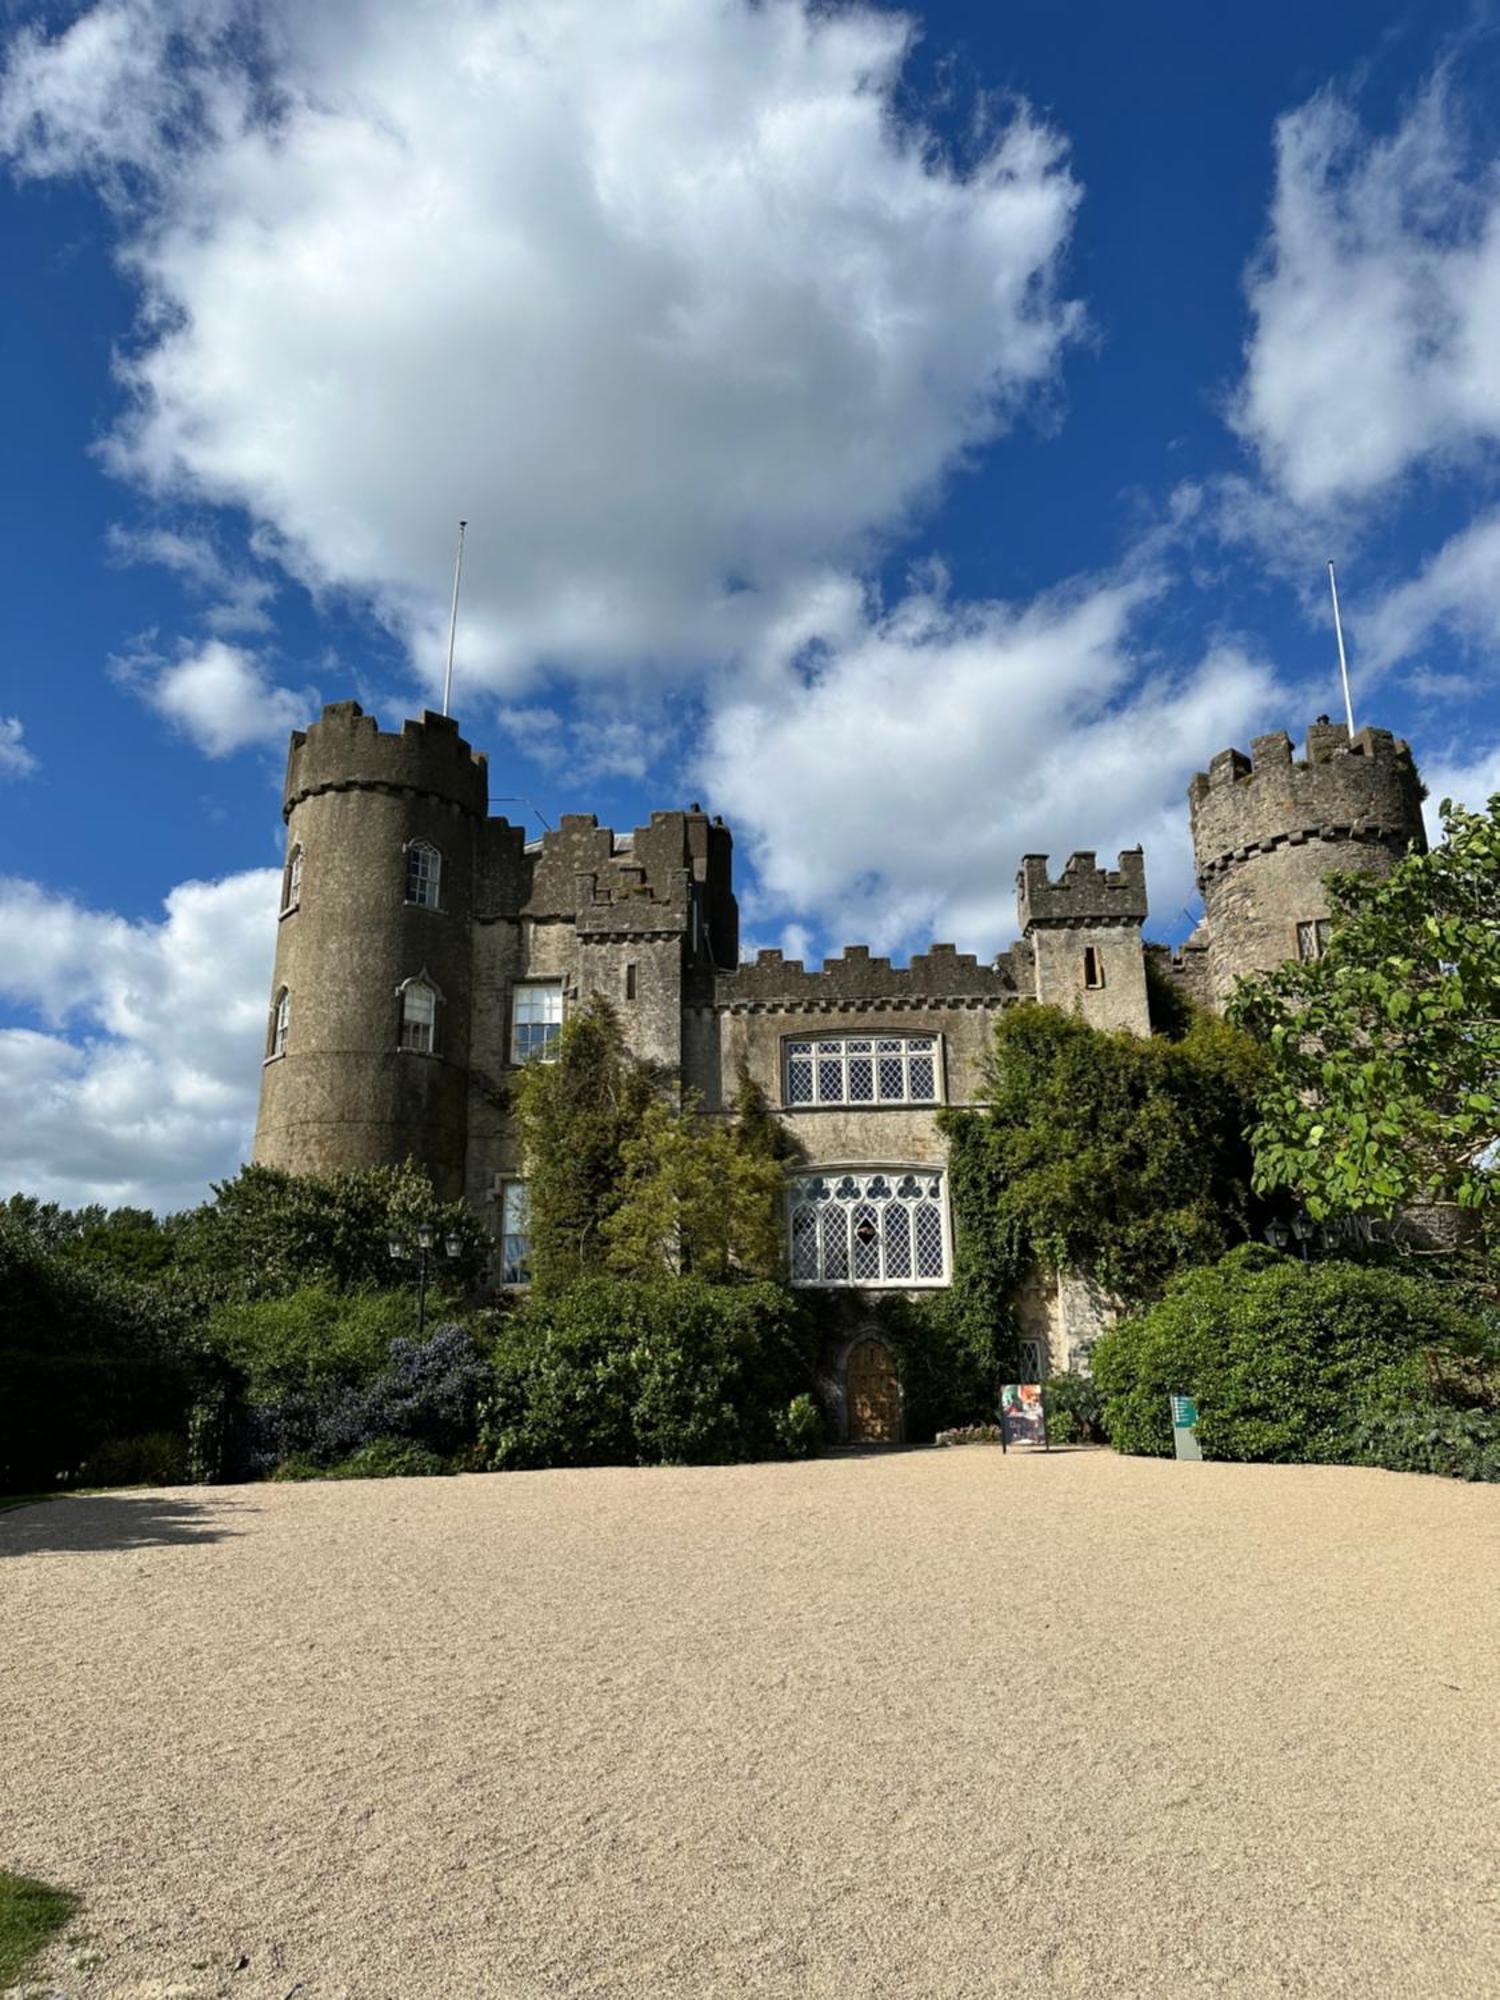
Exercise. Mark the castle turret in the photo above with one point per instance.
(1268, 829)
(1085, 935)
(367, 1047)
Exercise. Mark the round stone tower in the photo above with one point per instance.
(1268, 829)
(367, 1042)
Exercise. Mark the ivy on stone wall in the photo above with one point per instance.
(1117, 1154)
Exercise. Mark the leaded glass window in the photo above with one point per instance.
(1312, 938)
(291, 880)
(424, 874)
(869, 1228)
(536, 1020)
(862, 1069)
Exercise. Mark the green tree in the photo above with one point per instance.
(694, 1198)
(1116, 1153)
(1384, 1085)
(266, 1233)
(575, 1116)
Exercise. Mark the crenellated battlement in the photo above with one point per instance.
(1084, 894)
(346, 750)
(1362, 789)
(941, 976)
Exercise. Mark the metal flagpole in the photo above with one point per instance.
(458, 570)
(1338, 626)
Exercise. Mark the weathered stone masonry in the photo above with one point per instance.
(649, 918)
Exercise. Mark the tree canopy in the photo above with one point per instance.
(1384, 1083)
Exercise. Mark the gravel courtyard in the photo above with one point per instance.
(932, 1723)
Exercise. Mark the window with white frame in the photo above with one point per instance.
(1312, 938)
(515, 1234)
(536, 1011)
(281, 1021)
(418, 1017)
(862, 1069)
(291, 880)
(871, 1227)
(424, 874)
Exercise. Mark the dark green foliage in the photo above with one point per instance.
(800, 1430)
(1111, 1153)
(325, 1375)
(1287, 1361)
(84, 1357)
(576, 1116)
(29, 1914)
(648, 1372)
(1075, 1410)
(389, 1458)
(267, 1234)
(1385, 1053)
(310, 1340)
(158, 1459)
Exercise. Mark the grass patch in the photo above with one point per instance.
(29, 1913)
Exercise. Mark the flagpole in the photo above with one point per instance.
(1338, 626)
(458, 570)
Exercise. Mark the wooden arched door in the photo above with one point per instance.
(872, 1393)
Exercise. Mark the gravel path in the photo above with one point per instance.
(935, 1723)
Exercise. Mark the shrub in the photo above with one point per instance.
(1284, 1359)
(84, 1356)
(1075, 1410)
(389, 1458)
(660, 1371)
(160, 1458)
(310, 1343)
(427, 1394)
(800, 1428)
(970, 1434)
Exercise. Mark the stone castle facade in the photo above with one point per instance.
(427, 950)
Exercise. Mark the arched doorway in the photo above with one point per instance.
(872, 1393)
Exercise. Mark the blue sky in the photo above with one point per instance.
(916, 436)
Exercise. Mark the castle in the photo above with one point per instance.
(426, 950)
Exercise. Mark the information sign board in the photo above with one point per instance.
(1185, 1428)
(1022, 1418)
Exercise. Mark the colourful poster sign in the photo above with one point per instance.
(1022, 1418)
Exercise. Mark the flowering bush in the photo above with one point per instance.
(970, 1434)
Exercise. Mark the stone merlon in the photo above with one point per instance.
(1084, 894)
(1360, 789)
(346, 750)
(857, 979)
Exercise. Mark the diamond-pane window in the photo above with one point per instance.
(928, 1221)
(895, 1069)
(877, 1228)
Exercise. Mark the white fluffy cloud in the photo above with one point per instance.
(904, 762)
(1376, 303)
(219, 695)
(140, 1086)
(1457, 591)
(16, 761)
(660, 295)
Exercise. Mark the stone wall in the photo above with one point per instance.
(1268, 829)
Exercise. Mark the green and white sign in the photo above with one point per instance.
(1185, 1428)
